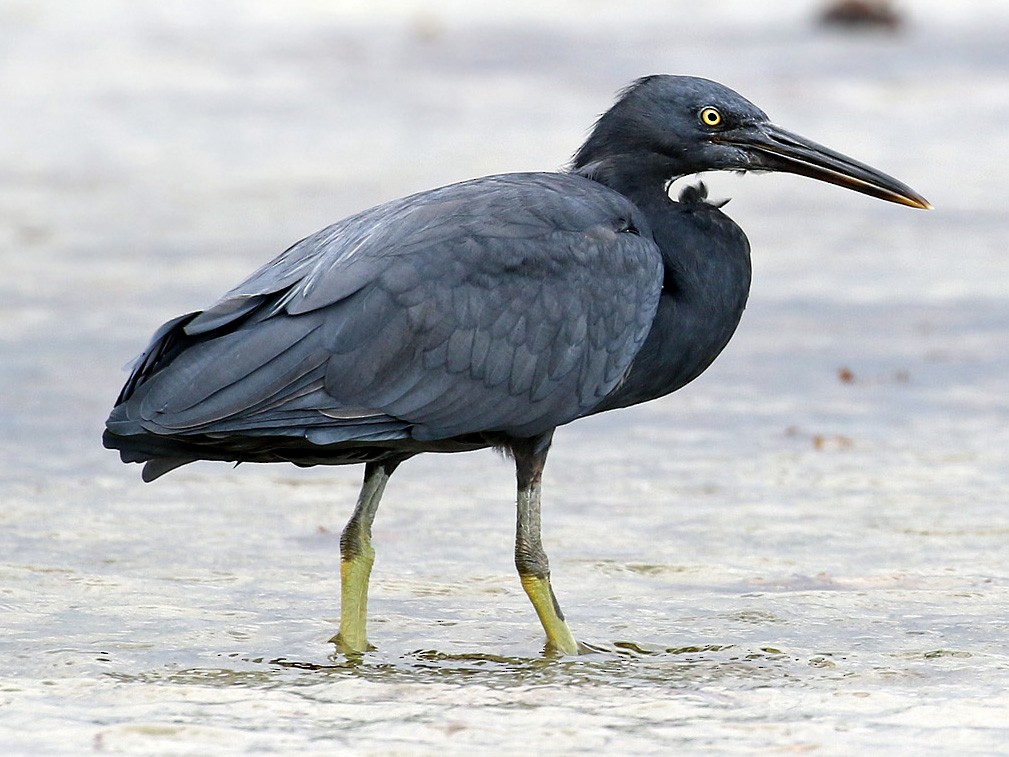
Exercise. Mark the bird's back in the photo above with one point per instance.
(499, 307)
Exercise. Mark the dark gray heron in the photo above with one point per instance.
(481, 314)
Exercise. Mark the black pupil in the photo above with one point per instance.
(711, 116)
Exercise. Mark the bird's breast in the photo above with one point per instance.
(706, 281)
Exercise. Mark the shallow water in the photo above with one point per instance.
(805, 550)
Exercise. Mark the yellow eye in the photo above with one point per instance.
(711, 117)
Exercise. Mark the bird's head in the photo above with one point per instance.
(664, 127)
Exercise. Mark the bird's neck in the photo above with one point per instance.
(641, 178)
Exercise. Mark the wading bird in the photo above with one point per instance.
(481, 314)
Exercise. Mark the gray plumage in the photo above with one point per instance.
(460, 311)
(485, 313)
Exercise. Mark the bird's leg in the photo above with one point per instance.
(530, 559)
(356, 558)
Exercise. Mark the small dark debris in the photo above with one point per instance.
(823, 442)
(835, 442)
(861, 14)
(847, 376)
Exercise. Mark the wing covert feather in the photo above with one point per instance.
(510, 303)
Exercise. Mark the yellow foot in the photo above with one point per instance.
(352, 647)
(560, 640)
(354, 574)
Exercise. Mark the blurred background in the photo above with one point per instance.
(834, 489)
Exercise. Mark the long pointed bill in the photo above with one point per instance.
(773, 149)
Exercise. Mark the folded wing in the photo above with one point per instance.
(508, 304)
